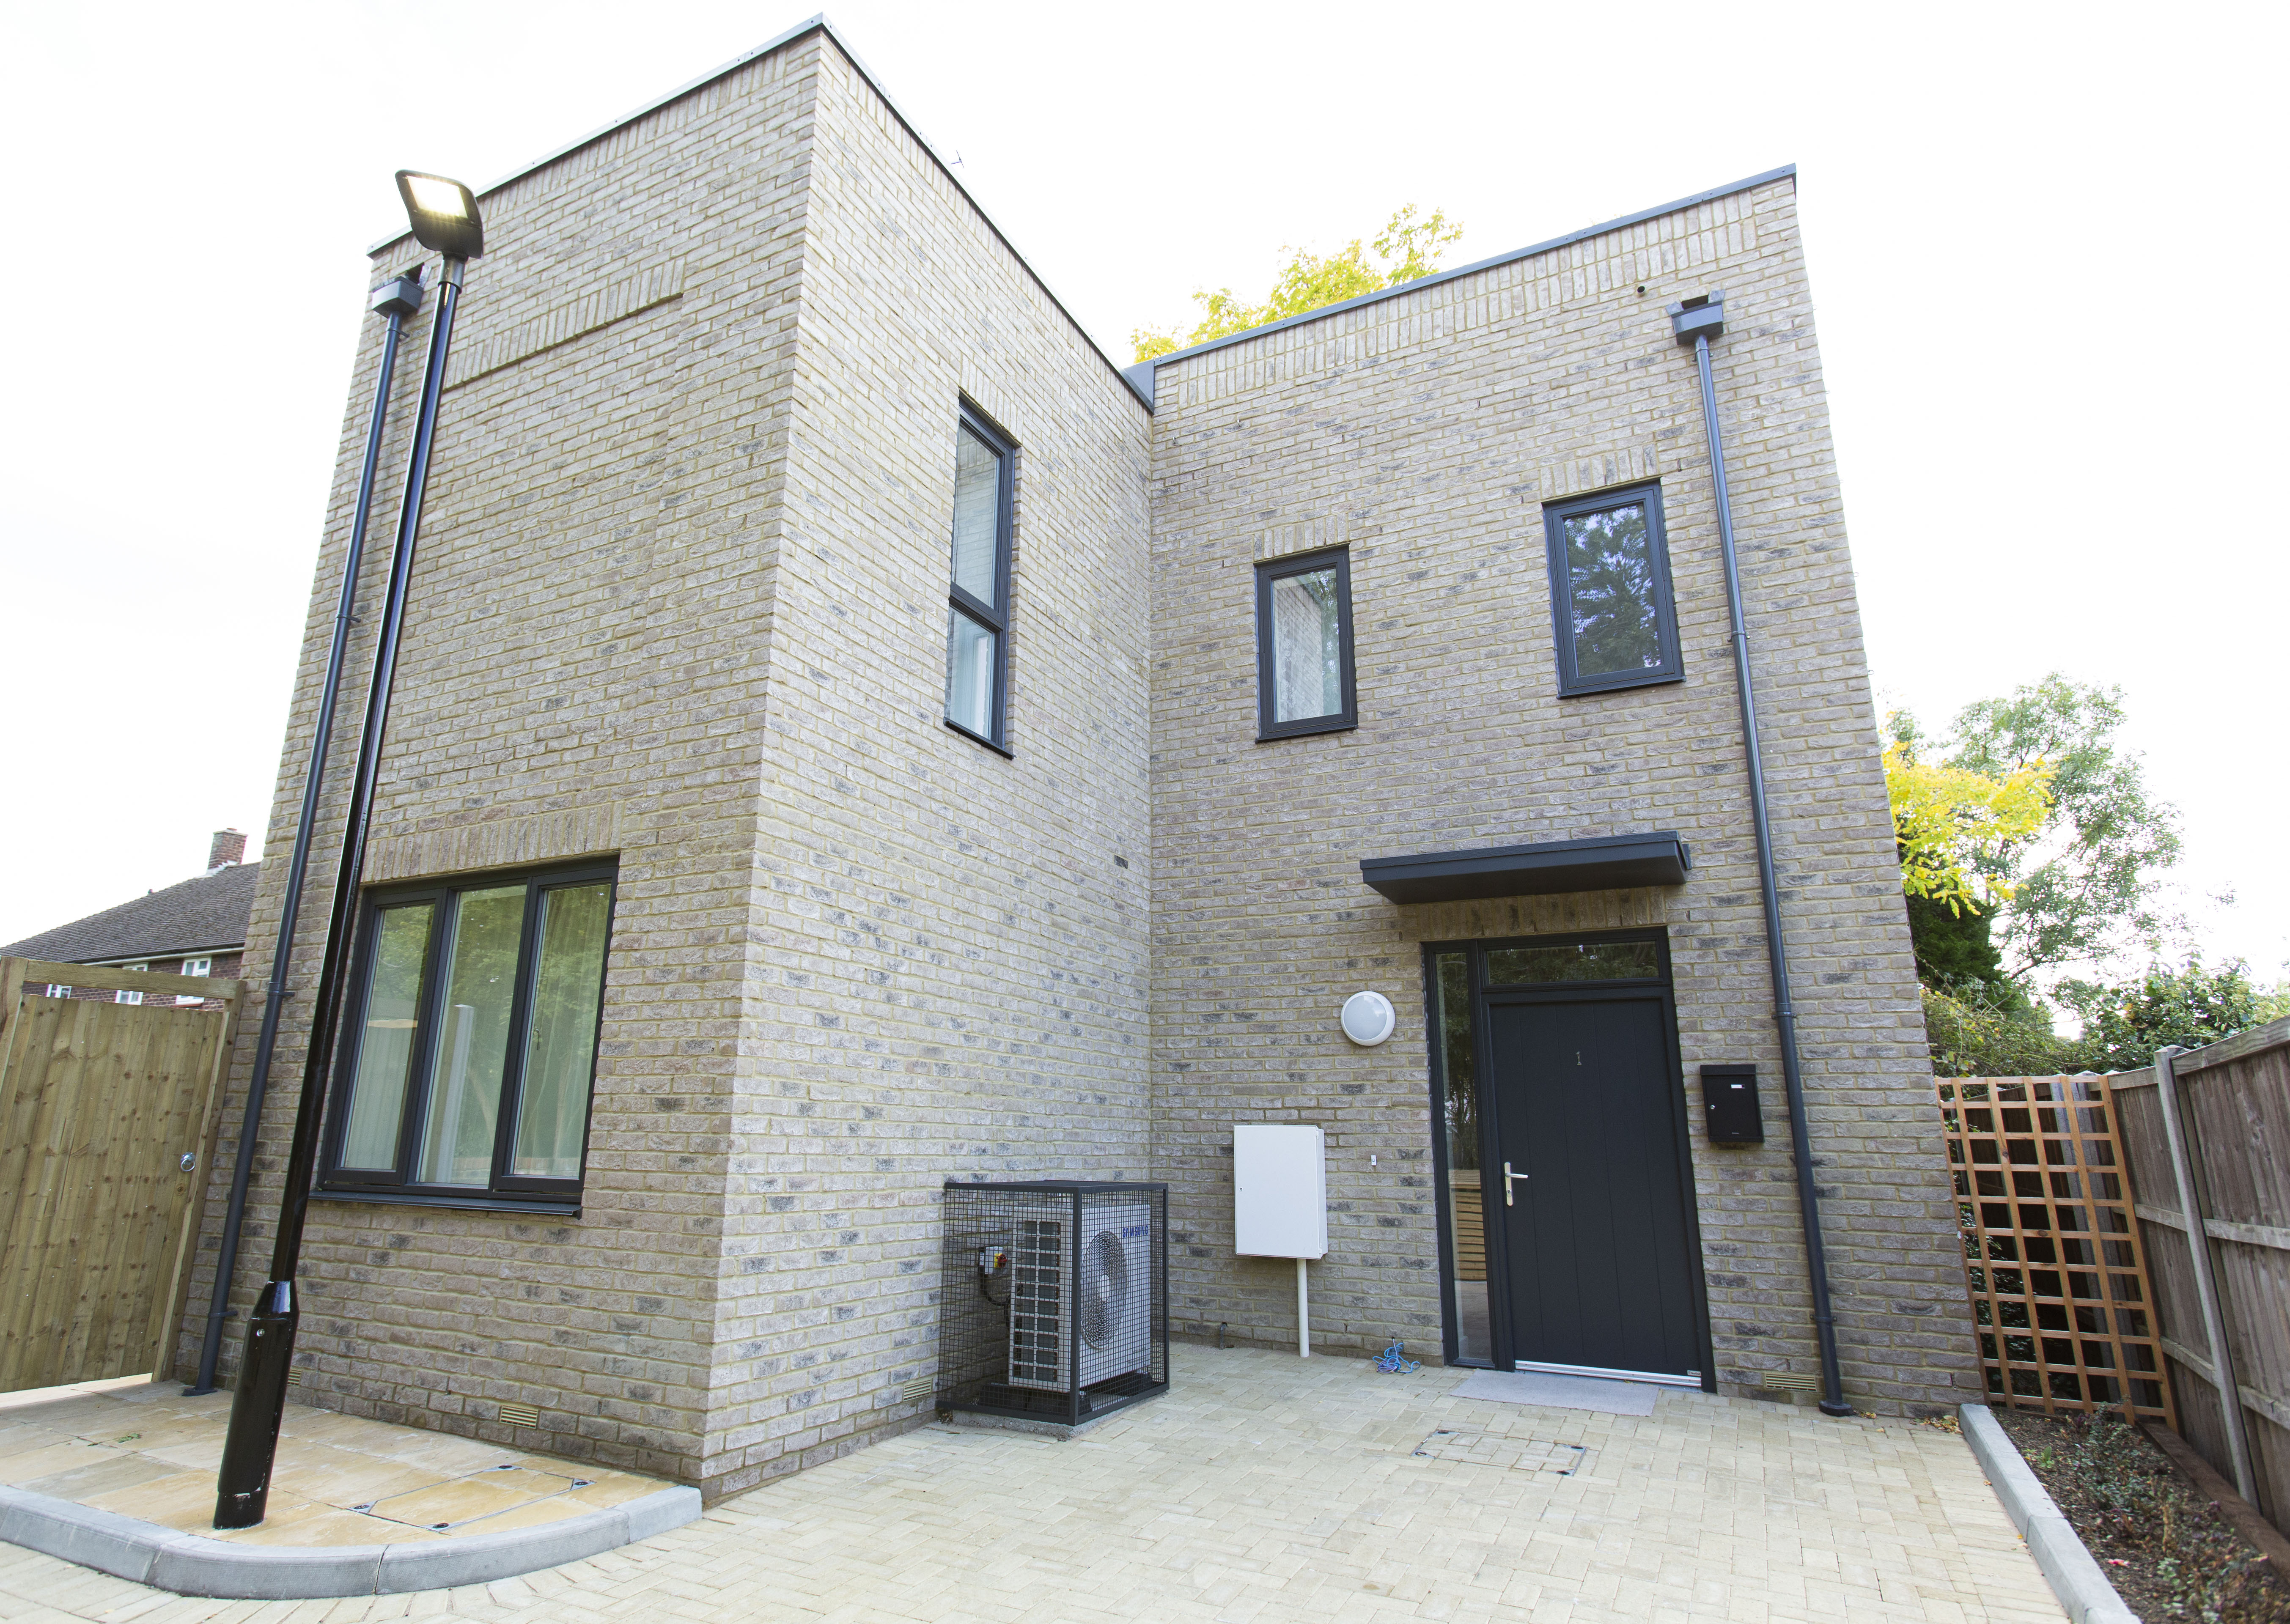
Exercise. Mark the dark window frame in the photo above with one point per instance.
(1672, 668)
(503, 1190)
(1268, 571)
(995, 618)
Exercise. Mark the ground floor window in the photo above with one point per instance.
(469, 1036)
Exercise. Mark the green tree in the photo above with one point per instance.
(1976, 1031)
(1945, 819)
(2087, 886)
(1952, 944)
(1407, 248)
(2124, 1025)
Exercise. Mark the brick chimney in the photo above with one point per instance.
(227, 850)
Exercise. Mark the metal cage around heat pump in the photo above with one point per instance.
(1053, 1299)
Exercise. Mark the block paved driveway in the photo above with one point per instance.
(1266, 1488)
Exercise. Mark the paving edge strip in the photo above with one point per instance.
(2076, 1577)
(191, 1565)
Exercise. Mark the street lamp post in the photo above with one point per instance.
(443, 217)
(396, 299)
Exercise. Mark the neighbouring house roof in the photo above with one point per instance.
(209, 912)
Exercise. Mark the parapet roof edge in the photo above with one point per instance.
(817, 23)
(1786, 172)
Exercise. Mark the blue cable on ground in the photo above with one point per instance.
(1393, 1362)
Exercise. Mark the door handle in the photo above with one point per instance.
(1508, 1177)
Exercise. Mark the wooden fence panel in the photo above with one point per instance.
(2235, 1122)
(2060, 1296)
(99, 1103)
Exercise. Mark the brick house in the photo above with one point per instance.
(746, 863)
(195, 928)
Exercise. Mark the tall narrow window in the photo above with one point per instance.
(1304, 644)
(978, 606)
(1458, 1100)
(1617, 626)
(469, 1046)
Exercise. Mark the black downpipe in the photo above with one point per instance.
(243, 1485)
(1696, 325)
(396, 300)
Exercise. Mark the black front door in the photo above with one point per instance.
(1587, 1193)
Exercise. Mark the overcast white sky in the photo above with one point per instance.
(2043, 244)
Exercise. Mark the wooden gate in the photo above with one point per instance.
(2059, 1294)
(106, 1125)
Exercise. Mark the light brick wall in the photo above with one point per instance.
(681, 596)
(583, 670)
(1424, 432)
(951, 969)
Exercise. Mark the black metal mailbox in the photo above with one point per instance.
(1729, 1105)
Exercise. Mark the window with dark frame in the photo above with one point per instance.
(1610, 595)
(978, 605)
(1304, 644)
(468, 1048)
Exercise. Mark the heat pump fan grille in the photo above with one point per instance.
(1104, 1289)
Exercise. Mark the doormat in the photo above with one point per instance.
(1512, 1454)
(1560, 1392)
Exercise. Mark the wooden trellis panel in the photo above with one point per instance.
(2052, 1256)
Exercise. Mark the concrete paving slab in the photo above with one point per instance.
(1269, 1489)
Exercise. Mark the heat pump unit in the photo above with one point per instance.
(1101, 1315)
(1050, 1298)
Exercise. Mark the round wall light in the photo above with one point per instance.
(1368, 1018)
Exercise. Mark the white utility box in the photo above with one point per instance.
(1280, 1190)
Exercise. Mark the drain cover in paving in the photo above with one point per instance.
(1513, 1455)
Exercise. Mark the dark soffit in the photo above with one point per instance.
(1609, 862)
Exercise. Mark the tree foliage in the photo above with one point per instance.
(2124, 1025)
(1973, 1033)
(1978, 1030)
(1952, 823)
(1407, 248)
(2079, 886)
(2030, 844)
(2087, 887)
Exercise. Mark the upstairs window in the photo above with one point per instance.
(127, 996)
(1617, 626)
(470, 1040)
(1304, 644)
(978, 607)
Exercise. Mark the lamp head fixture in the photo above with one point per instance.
(443, 213)
(400, 296)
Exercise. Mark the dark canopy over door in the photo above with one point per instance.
(1596, 1248)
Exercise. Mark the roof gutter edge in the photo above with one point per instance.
(1786, 172)
(817, 23)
